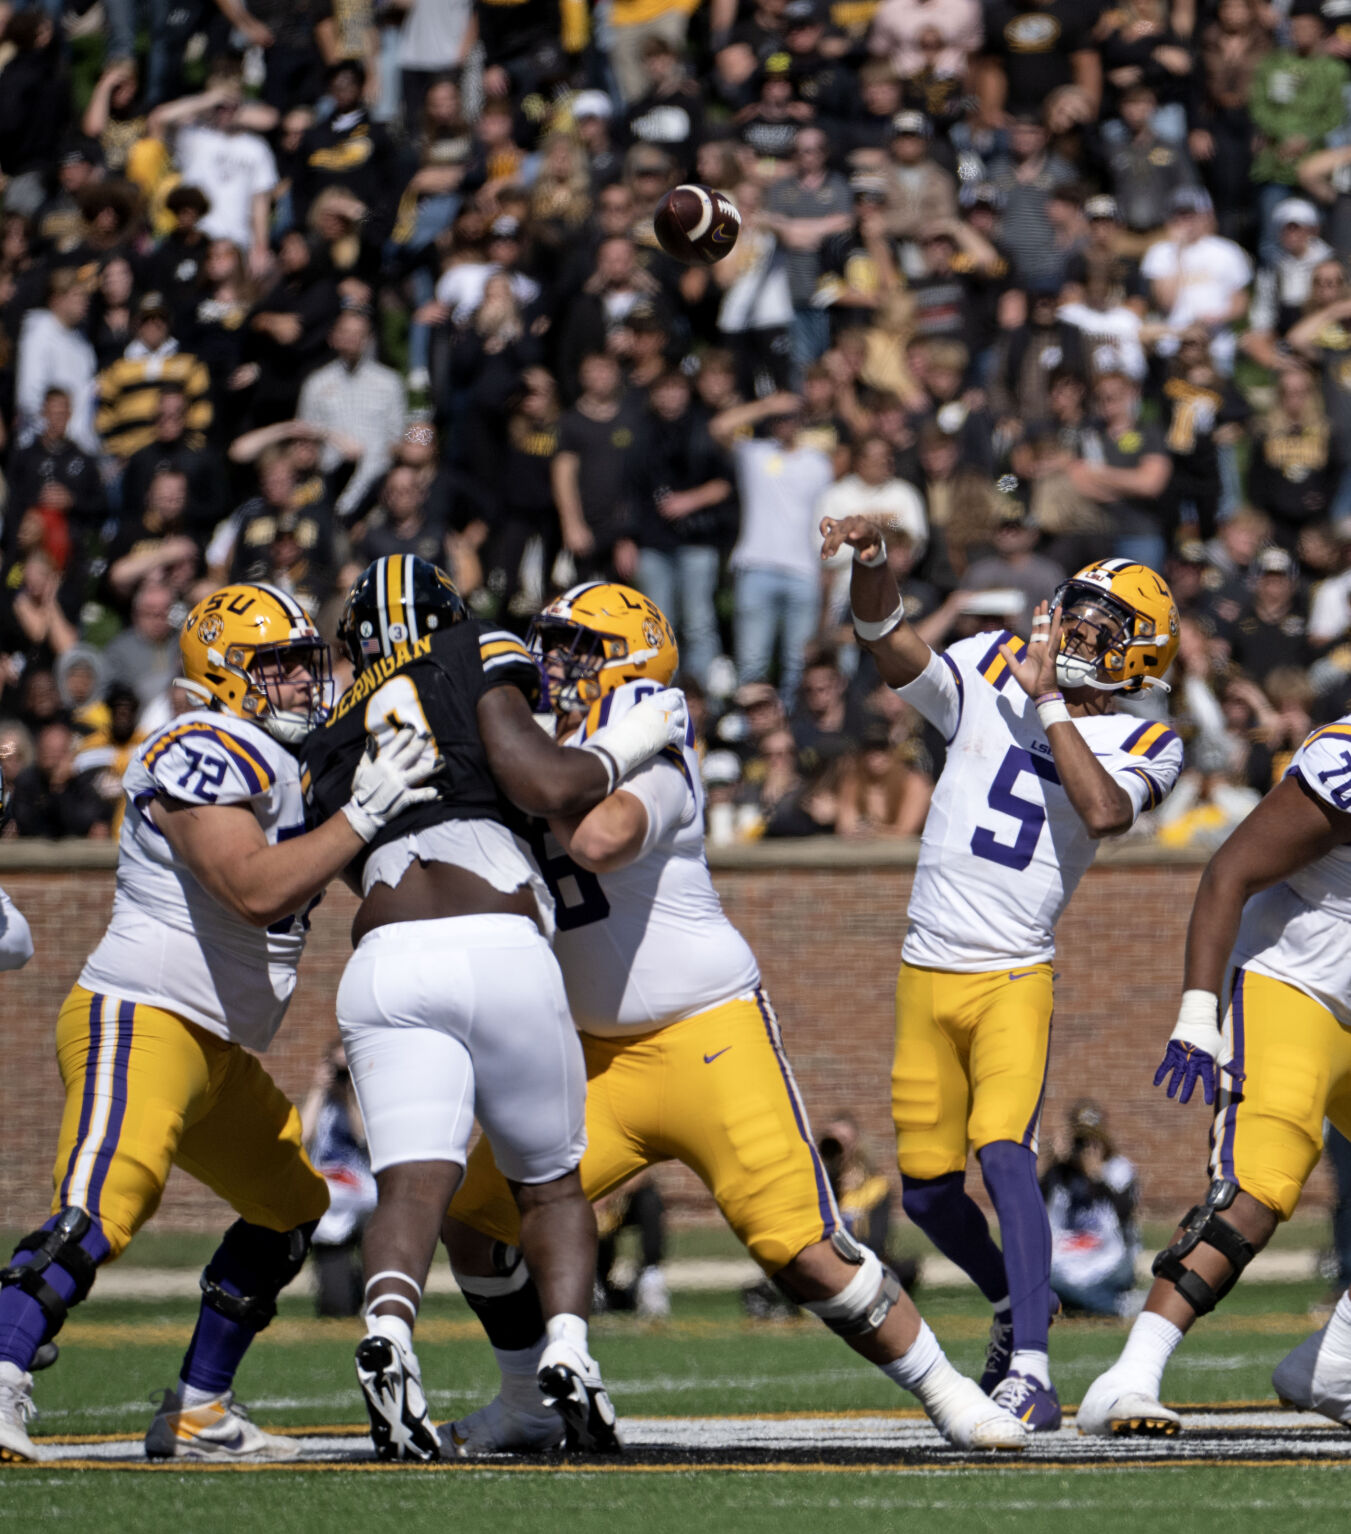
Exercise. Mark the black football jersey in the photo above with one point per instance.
(432, 683)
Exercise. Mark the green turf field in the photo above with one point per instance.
(708, 1360)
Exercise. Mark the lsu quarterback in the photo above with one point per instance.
(684, 1058)
(215, 873)
(1038, 770)
(1265, 1028)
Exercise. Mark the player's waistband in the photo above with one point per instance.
(497, 929)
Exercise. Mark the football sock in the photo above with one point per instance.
(189, 1395)
(1335, 1348)
(569, 1329)
(507, 1306)
(1031, 1362)
(219, 1342)
(1010, 1173)
(917, 1360)
(1146, 1354)
(520, 1367)
(952, 1220)
(394, 1328)
(23, 1322)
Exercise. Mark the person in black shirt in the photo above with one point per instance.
(590, 471)
(185, 452)
(351, 152)
(453, 1005)
(52, 473)
(670, 112)
(1273, 631)
(50, 800)
(1039, 56)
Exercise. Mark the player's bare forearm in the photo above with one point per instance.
(537, 774)
(874, 597)
(1286, 832)
(1099, 801)
(606, 838)
(227, 853)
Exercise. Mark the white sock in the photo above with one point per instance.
(570, 1329)
(1147, 1351)
(1336, 1344)
(916, 1362)
(192, 1395)
(519, 1366)
(1033, 1363)
(395, 1328)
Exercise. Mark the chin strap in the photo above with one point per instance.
(1074, 671)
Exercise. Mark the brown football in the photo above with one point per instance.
(696, 225)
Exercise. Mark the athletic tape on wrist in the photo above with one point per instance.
(1054, 711)
(874, 631)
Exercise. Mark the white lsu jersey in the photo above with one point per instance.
(649, 944)
(1299, 931)
(1003, 848)
(172, 945)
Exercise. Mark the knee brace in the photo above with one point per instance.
(507, 1304)
(865, 1301)
(40, 1249)
(258, 1262)
(1203, 1226)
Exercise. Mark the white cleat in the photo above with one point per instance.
(1300, 1382)
(501, 1429)
(969, 1419)
(391, 1382)
(570, 1382)
(16, 1411)
(1109, 1411)
(654, 1299)
(219, 1429)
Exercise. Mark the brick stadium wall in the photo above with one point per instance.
(828, 940)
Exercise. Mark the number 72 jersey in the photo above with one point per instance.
(1003, 848)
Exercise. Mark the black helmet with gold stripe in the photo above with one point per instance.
(397, 598)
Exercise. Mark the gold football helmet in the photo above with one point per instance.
(597, 636)
(1118, 627)
(238, 646)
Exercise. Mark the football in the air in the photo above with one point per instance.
(696, 225)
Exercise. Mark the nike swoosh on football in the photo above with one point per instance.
(709, 1059)
(721, 237)
(1021, 974)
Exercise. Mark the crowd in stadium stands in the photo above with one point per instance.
(290, 284)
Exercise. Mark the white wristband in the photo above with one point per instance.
(1053, 711)
(873, 631)
(1199, 1010)
(880, 558)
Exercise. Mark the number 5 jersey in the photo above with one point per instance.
(1003, 848)
(172, 945)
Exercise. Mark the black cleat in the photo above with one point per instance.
(392, 1385)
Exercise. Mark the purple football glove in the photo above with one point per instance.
(1183, 1066)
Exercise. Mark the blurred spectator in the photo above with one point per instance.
(886, 789)
(1144, 170)
(403, 522)
(50, 798)
(827, 723)
(130, 389)
(53, 353)
(154, 543)
(335, 1138)
(1293, 471)
(1038, 55)
(1197, 277)
(176, 446)
(105, 751)
(683, 514)
(1014, 563)
(861, 1191)
(1233, 43)
(145, 655)
(637, 1206)
(778, 581)
(1203, 423)
(1026, 176)
(1091, 1197)
(1272, 631)
(52, 473)
(1126, 470)
(919, 191)
(590, 472)
(358, 398)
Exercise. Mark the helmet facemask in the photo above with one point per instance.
(269, 669)
(570, 657)
(1096, 630)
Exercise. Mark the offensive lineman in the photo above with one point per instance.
(1269, 949)
(215, 872)
(452, 1005)
(1036, 773)
(684, 1058)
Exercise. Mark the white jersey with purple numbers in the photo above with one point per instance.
(1299, 931)
(1003, 848)
(172, 945)
(648, 945)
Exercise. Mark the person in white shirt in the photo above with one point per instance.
(357, 398)
(1264, 1027)
(778, 576)
(1196, 276)
(1111, 331)
(217, 152)
(872, 490)
(54, 353)
(1035, 777)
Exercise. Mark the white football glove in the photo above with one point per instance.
(385, 783)
(647, 728)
